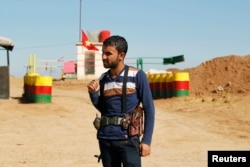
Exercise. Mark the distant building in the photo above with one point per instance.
(89, 62)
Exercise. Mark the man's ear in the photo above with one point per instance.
(121, 56)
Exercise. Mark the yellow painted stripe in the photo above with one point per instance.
(181, 76)
(43, 81)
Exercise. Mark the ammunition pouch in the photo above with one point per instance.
(97, 122)
(136, 122)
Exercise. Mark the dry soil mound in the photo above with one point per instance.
(229, 74)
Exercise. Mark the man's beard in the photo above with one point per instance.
(111, 65)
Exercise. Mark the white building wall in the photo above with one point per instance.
(99, 69)
(80, 62)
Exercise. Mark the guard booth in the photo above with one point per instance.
(6, 45)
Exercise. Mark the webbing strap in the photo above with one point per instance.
(102, 96)
(124, 90)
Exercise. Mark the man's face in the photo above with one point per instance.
(110, 57)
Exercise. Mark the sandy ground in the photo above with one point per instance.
(61, 134)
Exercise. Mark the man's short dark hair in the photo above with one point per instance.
(118, 42)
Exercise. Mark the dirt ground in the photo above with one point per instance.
(61, 134)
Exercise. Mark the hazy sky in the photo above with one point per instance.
(199, 29)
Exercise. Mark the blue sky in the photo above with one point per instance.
(199, 29)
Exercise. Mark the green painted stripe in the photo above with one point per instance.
(42, 98)
(179, 93)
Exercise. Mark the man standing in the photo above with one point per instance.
(117, 147)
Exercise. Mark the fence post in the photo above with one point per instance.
(139, 63)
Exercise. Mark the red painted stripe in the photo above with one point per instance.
(157, 86)
(163, 86)
(27, 88)
(181, 85)
(170, 86)
(42, 90)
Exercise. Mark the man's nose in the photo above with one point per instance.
(104, 56)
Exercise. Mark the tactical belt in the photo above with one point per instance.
(111, 120)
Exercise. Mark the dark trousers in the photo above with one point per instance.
(119, 153)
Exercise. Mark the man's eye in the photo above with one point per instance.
(108, 54)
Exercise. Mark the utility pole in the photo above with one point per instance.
(80, 21)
